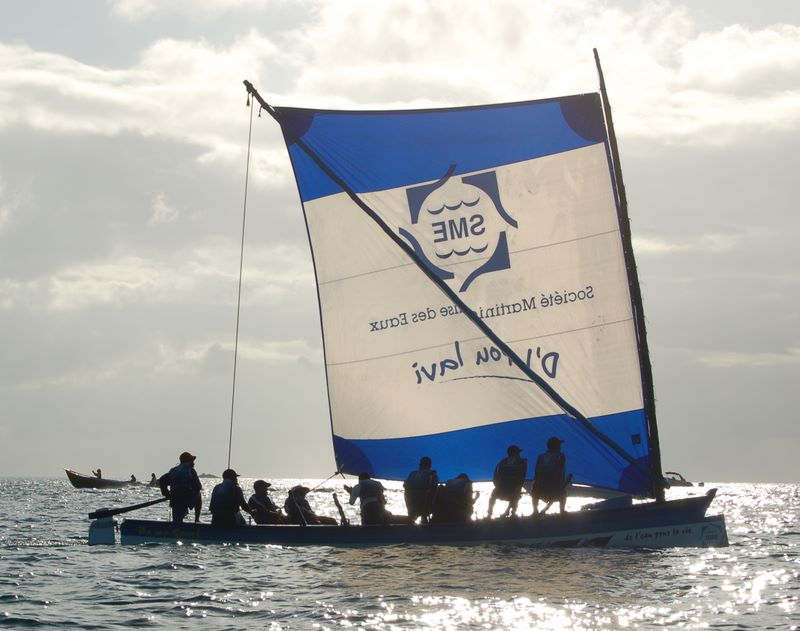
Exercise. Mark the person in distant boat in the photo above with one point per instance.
(98, 474)
(549, 478)
(509, 476)
(454, 501)
(264, 510)
(298, 510)
(372, 500)
(153, 480)
(182, 486)
(419, 489)
(133, 478)
(226, 500)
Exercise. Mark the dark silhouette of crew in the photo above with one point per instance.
(419, 490)
(550, 481)
(509, 476)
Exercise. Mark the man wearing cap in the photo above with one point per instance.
(226, 500)
(265, 511)
(509, 476)
(549, 481)
(182, 486)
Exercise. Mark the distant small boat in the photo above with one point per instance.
(207, 475)
(81, 481)
(673, 478)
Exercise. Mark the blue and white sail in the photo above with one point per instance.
(416, 218)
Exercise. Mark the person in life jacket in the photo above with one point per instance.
(454, 501)
(372, 500)
(419, 490)
(264, 510)
(299, 511)
(549, 481)
(182, 486)
(226, 500)
(509, 476)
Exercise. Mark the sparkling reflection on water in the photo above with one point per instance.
(49, 577)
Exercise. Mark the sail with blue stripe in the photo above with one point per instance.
(473, 288)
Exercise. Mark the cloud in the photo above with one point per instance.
(666, 80)
(162, 212)
(714, 243)
(733, 359)
(216, 358)
(198, 275)
(735, 57)
(663, 75)
(7, 205)
(166, 360)
(137, 10)
(179, 89)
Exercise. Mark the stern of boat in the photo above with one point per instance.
(103, 531)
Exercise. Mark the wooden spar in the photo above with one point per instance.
(125, 509)
(645, 368)
(342, 516)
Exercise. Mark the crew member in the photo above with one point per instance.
(298, 510)
(264, 510)
(549, 481)
(419, 489)
(182, 486)
(372, 499)
(509, 476)
(226, 500)
(454, 501)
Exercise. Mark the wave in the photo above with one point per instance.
(478, 250)
(443, 207)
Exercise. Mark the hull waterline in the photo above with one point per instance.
(676, 523)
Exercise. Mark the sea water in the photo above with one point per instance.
(51, 578)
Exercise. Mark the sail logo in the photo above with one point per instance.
(458, 226)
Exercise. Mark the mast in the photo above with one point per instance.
(645, 368)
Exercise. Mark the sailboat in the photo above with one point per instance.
(477, 288)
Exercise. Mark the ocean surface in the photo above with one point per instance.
(51, 578)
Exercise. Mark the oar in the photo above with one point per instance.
(108, 512)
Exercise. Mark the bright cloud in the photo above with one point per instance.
(666, 79)
(197, 357)
(178, 89)
(714, 243)
(790, 357)
(136, 10)
(162, 212)
(201, 272)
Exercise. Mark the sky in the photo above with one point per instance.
(123, 149)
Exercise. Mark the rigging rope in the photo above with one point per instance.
(241, 266)
(328, 479)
